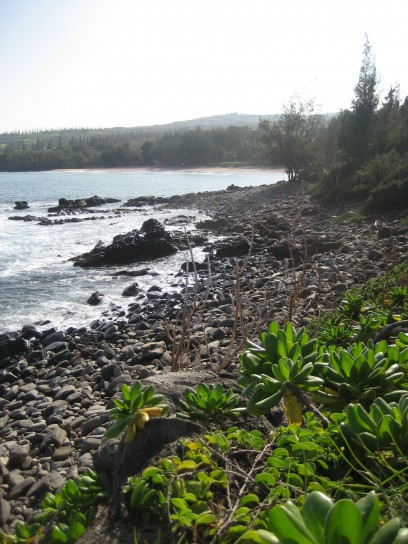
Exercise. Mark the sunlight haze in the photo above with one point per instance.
(105, 63)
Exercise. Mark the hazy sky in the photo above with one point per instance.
(105, 63)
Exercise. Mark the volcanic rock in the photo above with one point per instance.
(21, 205)
(95, 298)
(150, 242)
(78, 204)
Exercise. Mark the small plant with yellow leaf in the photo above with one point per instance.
(283, 368)
(134, 410)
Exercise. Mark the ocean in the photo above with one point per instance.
(37, 280)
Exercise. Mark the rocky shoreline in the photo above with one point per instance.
(283, 256)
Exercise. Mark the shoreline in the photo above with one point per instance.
(190, 185)
(186, 170)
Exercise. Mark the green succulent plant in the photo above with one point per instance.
(398, 296)
(368, 326)
(147, 494)
(336, 334)
(133, 411)
(402, 341)
(362, 373)
(287, 377)
(276, 344)
(352, 305)
(384, 427)
(24, 533)
(209, 403)
(320, 521)
(286, 363)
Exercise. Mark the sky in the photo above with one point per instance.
(110, 63)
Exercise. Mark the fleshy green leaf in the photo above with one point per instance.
(387, 533)
(288, 525)
(344, 525)
(116, 429)
(370, 514)
(266, 537)
(314, 513)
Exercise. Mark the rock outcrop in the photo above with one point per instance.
(150, 242)
(21, 205)
(80, 204)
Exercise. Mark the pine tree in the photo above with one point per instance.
(357, 125)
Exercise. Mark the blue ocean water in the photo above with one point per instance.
(38, 282)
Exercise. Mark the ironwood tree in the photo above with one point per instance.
(357, 126)
(292, 140)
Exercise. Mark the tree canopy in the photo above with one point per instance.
(292, 140)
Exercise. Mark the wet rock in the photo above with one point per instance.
(80, 204)
(11, 347)
(131, 290)
(145, 201)
(21, 205)
(29, 331)
(27, 218)
(218, 224)
(191, 267)
(111, 332)
(95, 299)
(56, 347)
(56, 336)
(150, 242)
(134, 273)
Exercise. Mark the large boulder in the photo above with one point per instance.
(11, 347)
(21, 205)
(232, 247)
(150, 242)
(81, 203)
(145, 201)
(95, 298)
(131, 290)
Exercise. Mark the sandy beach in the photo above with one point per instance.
(196, 170)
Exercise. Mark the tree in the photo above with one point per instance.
(357, 126)
(292, 140)
(388, 123)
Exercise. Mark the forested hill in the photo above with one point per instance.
(208, 140)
